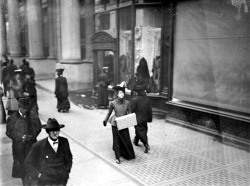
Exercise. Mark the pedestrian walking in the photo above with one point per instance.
(29, 90)
(15, 92)
(122, 144)
(141, 106)
(103, 83)
(22, 127)
(61, 92)
(2, 110)
(29, 70)
(5, 77)
(49, 161)
(11, 69)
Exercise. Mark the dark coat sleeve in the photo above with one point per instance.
(56, 86)
(111, 108)
(149, 111)
(68, 155)
(32, 159)
(36, 124)
(10, 128)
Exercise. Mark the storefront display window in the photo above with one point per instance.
(125, 2)
(106, 59)
(148, 1)
(99, 5)
(125, 43)
(211, 54)
(106, 21)
(111, 4)
(148, 43)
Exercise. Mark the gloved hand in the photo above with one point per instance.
(104, 123)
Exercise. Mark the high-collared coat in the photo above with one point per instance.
(16, 128)
(35, 161)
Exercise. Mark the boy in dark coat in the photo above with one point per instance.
(22, 127)
(61, 92)
(141, 106)
(49, 161)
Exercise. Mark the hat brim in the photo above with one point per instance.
(45, 126)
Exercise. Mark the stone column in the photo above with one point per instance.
(3, 36)
(14, 28)
(35, 27)
(51, 28)
(89, 29)
(70, 31)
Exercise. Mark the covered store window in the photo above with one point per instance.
(106, 21)
(211, 54)
(99, 5)
(125, 45)
(148, 43)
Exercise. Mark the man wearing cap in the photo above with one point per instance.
(50, 160)
(61, 92)
(22, 127)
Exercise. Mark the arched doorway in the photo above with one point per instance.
(105, 55)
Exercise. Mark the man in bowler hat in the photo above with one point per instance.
(22, 127)
(50, 160)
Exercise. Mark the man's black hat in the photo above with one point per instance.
(52, 124)
(24, 102)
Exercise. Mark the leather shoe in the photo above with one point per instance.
(118, 161)
(135, 142)
(147, 148)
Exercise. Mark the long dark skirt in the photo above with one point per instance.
(122, 144)
(2, 112)
(102, 96)
(141, 130)
(63, 103)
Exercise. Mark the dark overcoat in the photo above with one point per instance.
(29, 86)
(103, 90)
(35, 162)
(16, 128)
(61, 87)
(141, 106)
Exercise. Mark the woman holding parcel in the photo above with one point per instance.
(122, 144)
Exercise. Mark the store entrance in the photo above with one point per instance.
(105, 55)
(105, 62)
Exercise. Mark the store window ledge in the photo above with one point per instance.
(213, 111)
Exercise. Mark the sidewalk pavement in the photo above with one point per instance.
(178, 156)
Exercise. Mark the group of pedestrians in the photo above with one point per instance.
(141, 106)
(18, 83)
(45, 162)
(49, 161)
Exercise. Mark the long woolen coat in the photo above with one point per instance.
(35, 162)
(16, 128)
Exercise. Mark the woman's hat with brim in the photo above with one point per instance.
(52, 124)
(119, 87)
(60, 70)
